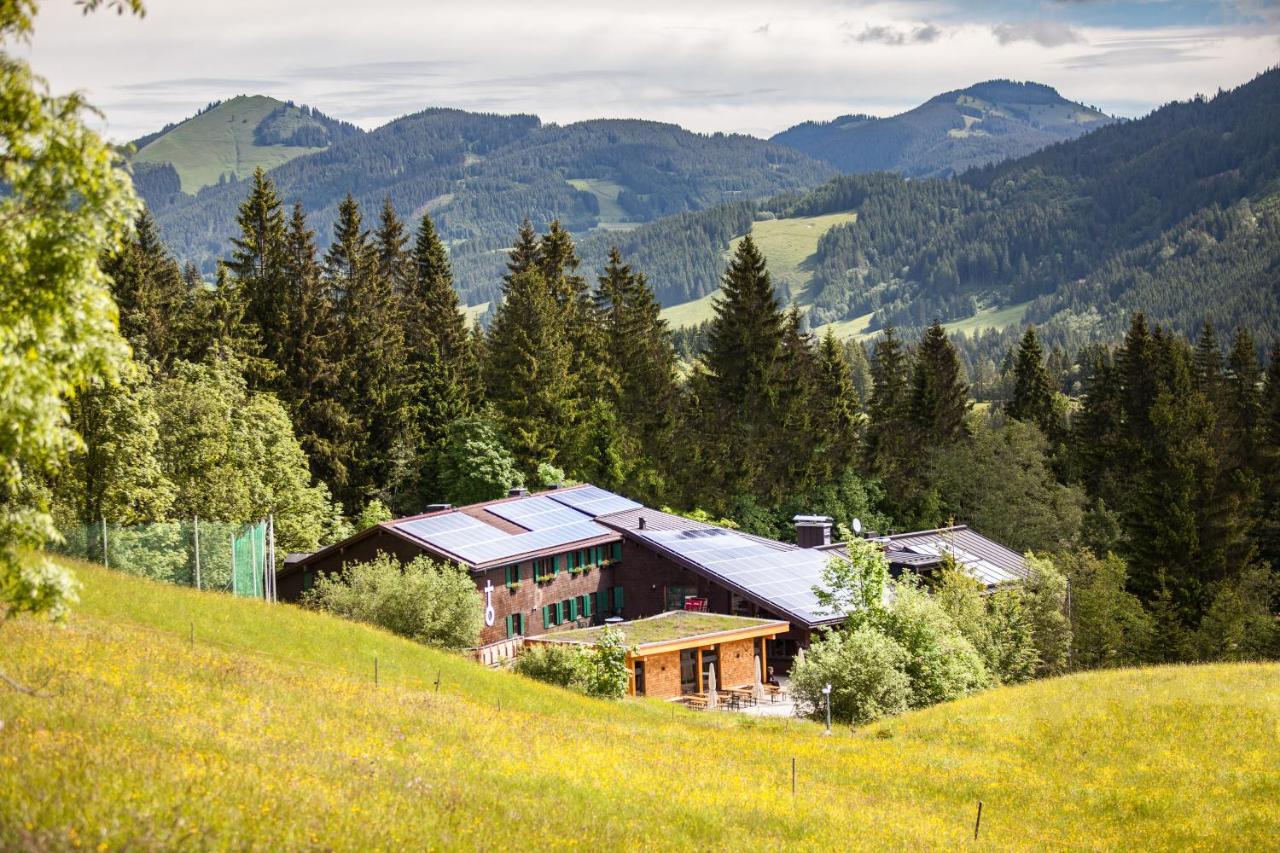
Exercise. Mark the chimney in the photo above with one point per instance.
(517, 492)
(640, 523)
(438, 507)
(812, 531)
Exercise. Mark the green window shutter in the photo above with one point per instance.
(586, 605)
(559, 612)
(521, 629)
(546, 616)
(617, 598)
(508, 623)
(573, 608)
(617, 550)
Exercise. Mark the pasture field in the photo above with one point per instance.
(175, 718)
(220, 142)
(612, 216)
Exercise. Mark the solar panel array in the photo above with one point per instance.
(553, 520)
(782, 578)
(538, 513)
(985, 571)
(593, 501)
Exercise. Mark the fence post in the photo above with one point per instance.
(196, 519)
(271, 554)
(106, 561)
(234, 587)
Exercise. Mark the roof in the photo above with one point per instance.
(777, 576)
(987, 560)
(505, 530)
(679, 627)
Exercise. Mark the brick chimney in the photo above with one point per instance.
(812, 531)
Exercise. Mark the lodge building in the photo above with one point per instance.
(571, 558)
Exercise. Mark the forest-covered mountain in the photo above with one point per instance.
(949, 133)
(480, 175)
(226, 141)
(1176, 214)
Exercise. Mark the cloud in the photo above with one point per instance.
(1043, 33)
(186, 84)
(763, 30)
(896, 37)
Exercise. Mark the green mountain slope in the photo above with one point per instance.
(268, 730)
(949, 133)
(232, 138)
(1176, 214)
(481, 175)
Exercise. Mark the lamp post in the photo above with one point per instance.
(826, 692)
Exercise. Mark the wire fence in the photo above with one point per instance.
(220, 556)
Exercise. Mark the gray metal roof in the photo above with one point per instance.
(988, 561)
(779, 576)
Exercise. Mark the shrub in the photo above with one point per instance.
(1046, 597)
(1109, 626)
(552, 663)
(604, 667)
(867, 672)
(997, 625)
(941, 663)
(433, 603)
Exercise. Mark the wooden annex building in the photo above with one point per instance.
(571, 558)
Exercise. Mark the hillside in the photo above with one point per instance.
(1176, 214)
(949, 133)
(230, 139)
(269, 731)
(479, 175)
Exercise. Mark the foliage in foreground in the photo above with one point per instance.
(269, 732)
(597, 671)
(433, 603)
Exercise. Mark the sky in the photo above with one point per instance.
(745, 66)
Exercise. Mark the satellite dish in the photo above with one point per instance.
(857, 527)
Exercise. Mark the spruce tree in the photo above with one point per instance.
(526, 254)
(395, 262)
(887, 405)
(256, 262)
(939, 398)
(374, 389)
(745, 337)
(149, 291)
(1033, 392)
(1269, 463)
(836, 401)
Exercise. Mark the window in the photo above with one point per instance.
(677, 594)
(587, 609)
(515, 625)
(639, 678)
(548, 616)
(544, 569)
(559, 612)
(602, 602)
(573, 608)
(689, 671)
(616, 548)
(617, 599)
(513, 575)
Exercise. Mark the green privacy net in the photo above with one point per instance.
(226, 557)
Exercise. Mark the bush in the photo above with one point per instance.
(1045, 593)
(941, 663)
(998, 625)
(552, 663)
(600, 670)
(433, 603)
(1109, 626)
(866, 671)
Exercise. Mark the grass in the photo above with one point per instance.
(612, 216)
(787, 244)
(673, 625)
(990, 318)
(220, 142)
(269, 732)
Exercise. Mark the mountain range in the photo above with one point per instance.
(949, 133)
(480, 175)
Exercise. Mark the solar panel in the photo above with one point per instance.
(509, 546)
(476, 542)
(538, 513)
(593, 500)
(781, 577)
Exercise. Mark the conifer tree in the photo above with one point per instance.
(528, 373)
(836, 401)
(1033, 386)
(1269, 463)
(939, 398)
(257, 264)
(745, 337)
(887, 405)
(395, 262)
(149, 291)
(373, 389)
(526, 254)
(1206, 368)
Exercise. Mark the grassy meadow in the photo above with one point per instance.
(268, 731)
(220, 142)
